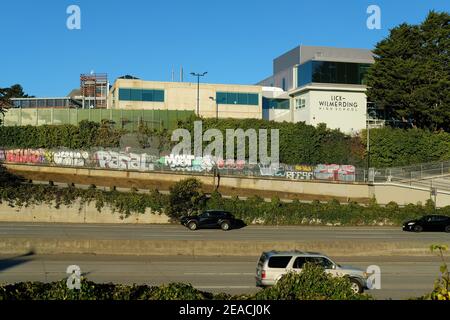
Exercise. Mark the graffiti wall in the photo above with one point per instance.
(188, 163)
(335, 172)
(125, 160)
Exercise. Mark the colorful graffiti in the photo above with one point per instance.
(126, 160)
(188, 163)
(70, 158)
(36, 156)
(300, 172)
(335, 172)
(230, 164)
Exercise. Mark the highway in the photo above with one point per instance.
(249, 233)
(401, 277)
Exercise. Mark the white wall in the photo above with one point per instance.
(303, 114)
(339, 110)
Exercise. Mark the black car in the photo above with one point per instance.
(428, 223)
(210, 219)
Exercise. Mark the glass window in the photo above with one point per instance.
(242, 98)
(221, 97)
(124, 94)
(332, 72)
(147, 95)
(237, 98)
(279, 262)
(321, 261)
(299, 262)
(25, 103)
(253, 99)
(232, 98)
(135, 94)
(158, 95)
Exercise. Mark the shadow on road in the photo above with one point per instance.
(239, 224)
(15, 261)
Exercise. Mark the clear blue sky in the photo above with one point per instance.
(235, 41)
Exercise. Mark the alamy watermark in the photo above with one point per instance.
(374, 277)
(235, 144)
(73, 22)
(74, 279)
(374, 20)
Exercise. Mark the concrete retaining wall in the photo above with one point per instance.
(384, 193)
(208, 248)
(73, 214)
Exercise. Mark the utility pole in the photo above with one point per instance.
(198, 75)
(217, 106)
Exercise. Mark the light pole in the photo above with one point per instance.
(198, 75)
(217, 107)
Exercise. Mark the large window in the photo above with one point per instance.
(332, 72)
(275, 103)
(243, 98)
(141, 95)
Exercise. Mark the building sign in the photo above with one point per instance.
(338, 103)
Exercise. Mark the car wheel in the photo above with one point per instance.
(356, 286)
(447, 229)
(225, 226)
(417, 228)
(192, 225)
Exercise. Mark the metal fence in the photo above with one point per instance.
(427, 175)
(125, 119)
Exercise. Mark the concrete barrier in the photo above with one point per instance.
(207, 248)
(76, 213)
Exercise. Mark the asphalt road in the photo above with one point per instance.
(178, 232)
(401, 277)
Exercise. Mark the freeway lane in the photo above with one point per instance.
(178, 232)
(401, 278)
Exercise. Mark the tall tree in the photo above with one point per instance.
(411, 75)
(15, 91)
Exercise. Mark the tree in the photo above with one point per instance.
(15, 91)
(411, 75)
(185, 198)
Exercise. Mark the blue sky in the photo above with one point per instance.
(235, 41)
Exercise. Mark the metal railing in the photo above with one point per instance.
(427, 175)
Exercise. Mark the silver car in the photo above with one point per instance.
(274, 264)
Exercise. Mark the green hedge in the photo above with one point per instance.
(85, 135)
(276, 212)
(253, 210)
(299, 143)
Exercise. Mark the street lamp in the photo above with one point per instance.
(217, 106)
(198, 75)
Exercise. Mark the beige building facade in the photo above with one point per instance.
(215, 100)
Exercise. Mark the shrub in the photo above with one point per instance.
(185, 198)
(313, 283)
(442, 285)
